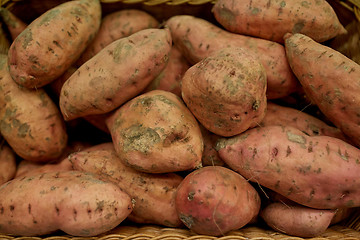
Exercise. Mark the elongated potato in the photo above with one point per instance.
(116, 74)
(78, 203)
(13, 23)
(329, 79)
(273, 19)
(214, 200)
(117, 25)
(53, 42)
(314, 171)
(297, 220)
(198, 38)
(287, 116)
(30, 121)
(226, 91)
(154, 194)
(7, 163)
(156, 133)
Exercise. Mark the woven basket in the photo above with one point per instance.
(349, 14)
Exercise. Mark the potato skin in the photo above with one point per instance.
(156, 133)
(53, 42)
(289, 162)
(329, 79)
(198, 38)
(13, 23)
(273, 19)
(114, 26)
(116, 74)
(297, 220)
(226, 91)
(30, 121)
(154, 194)
(214, 200)
(80, 204)
(7, 163)
(287, 116)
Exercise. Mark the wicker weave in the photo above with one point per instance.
(162, 9)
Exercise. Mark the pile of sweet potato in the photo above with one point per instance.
(109, 119)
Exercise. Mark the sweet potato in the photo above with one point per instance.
(116, 25)
(13, 23)
(30, 121)
(170, 78)
(272, 19)
(329, 79)
(314, 171)
(214, 200)
(116, 74)
(53, 42)
(226, 91)
(7, 163)
(311, 125)
(155, 132)
(297, 220)
(210, 156)
(78, 203)
(154, 194)
(198, 38)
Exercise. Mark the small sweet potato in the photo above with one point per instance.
(314, 171)
(214, 200)
(116, 74)
(53, 42)
(78, 203)
(226, 91)
(7, 163)
(198, 38)
(13, 23)
(155, 132)
(273, 19)
(286, 116)
(329, 79)
(210, 156)
(30, 121)
(116, 25)
(154, 194)
(297, 220)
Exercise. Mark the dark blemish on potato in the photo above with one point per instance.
(100, 206)
(288, 151)
(34, 221)
(290, 191)
(29, 208)
(187, 220)
(23, 130)
(56, 175)
(310, 147)
(311, 195)
(191, 196)
(75, 214)
(1, 210)
(274, 152)
(57, 210)
(255, 105)
(57, 44)
(12, 208)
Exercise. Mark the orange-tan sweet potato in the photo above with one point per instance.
(116, 74)
(154, 194)
(78, 203)
(329, 79)
(13, 23)
(273, 19)
(210, 156)
(155, 132)
(30, 121)
(116, 25)
(314, 171)
(286, 116)
(297, 220)
(53, 42)
(226, 91)
(198, 38)
(7, 163)
(214, 200)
